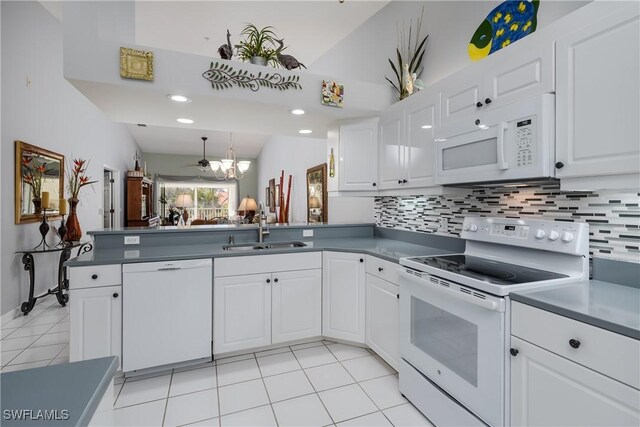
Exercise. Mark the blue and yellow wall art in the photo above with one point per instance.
(508, 22)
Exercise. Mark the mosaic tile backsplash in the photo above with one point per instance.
(613, 216)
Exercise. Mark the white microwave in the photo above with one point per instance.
(511, 143)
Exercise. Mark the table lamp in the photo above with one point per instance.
(248, 208)
(184, 201)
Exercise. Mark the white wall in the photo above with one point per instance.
(295, 156)
(51, 114)
(450, 24)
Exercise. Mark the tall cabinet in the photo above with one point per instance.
(597, 98)
(139, 201)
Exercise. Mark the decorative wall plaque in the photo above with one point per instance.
(136, 64)
(223, 76)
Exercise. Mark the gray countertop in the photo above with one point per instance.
(389, 249)
(602, 304)
(75, 387)
(218, 227)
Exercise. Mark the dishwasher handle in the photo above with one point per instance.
(169, 268)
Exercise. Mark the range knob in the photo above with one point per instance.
(473, 227)
(540, 234)
(553, 236)
(465, 227)
(567, 236)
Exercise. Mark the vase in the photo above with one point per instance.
(258, 60)
(37, 205)
(74, 232)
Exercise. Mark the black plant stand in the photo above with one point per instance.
(63, 282)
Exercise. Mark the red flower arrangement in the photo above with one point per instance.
(77, 178)
(33, 174)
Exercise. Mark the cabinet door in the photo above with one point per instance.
(296, 298)
(520, 71)
(549, 390)
(343, 294)
(460, 94)
(422, 116)
(382, 319)
(597, 97)
(391, 156)
(241, 312)
(359, 156)
(95, 323)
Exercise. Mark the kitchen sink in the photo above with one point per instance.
(263, 246)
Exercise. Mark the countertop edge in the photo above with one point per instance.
(102, 388)
(221, 228)
(581, 317)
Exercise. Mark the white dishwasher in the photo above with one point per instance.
(166, 313)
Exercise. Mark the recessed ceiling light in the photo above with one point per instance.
(305, 131)
(297, 112)
(184, 121)
(427, 127)
(178, 98)
(483, 127)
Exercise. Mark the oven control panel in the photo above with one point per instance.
(555, 236)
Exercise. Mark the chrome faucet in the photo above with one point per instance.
(262, 230)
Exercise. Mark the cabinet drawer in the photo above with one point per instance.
(609, 353)
(95, 276)
(383, 269)
(258, 264)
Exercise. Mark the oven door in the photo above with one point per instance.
(456, 337)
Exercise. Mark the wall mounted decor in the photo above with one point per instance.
(36, 171)
(332, 94)
(317, 194)
(508, 22)
(136, 64)
(224, 76)
(409, 54)
(272, 195)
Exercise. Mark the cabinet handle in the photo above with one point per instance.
(374, 184)
(479, 104)
(380, 269)
(275, 280)
(115, 295)
(487, 101)
(398, 296)
(477, 122)
(399, 181)
(514, 352)
(361, 260)
(404, 181)
(268, 280)
(559, 165)
(574, 343)
(94, 276)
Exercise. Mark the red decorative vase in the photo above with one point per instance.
(37, 205)
(74, 232)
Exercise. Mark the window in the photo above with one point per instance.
(210, 200)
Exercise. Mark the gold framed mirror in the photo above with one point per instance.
(37, 170)
(317, 207)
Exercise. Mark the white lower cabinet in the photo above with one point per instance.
(269, 307)
(296, 305)
(343, 296)
(549, 390)
(241, 312)
(95, 323)
(382, 324)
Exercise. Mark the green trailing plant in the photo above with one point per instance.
(258, 42)
(409, 56)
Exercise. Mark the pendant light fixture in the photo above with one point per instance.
(228, 167)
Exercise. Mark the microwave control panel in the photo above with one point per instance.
(525, 151)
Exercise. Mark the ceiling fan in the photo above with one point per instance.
(203, 164)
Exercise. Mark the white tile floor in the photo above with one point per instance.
(313, 384)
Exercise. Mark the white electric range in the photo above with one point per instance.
(455, 316)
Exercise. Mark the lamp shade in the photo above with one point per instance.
(184, 201)
(248, 204)
(314, 202)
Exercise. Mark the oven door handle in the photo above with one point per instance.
(486, 304)
(502, 163)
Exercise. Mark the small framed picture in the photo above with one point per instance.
(267, 198)
(332, 94)
(277, 195)
(272, 195)
(136, 64)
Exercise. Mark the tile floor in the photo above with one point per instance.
(314, 384)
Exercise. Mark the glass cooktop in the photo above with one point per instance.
(496, 272)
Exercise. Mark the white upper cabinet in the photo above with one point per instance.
(421, 117)
(520, 71)
(358, 156)
(392, 147)
(597, 100)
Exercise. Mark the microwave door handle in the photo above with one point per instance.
(502, 128)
